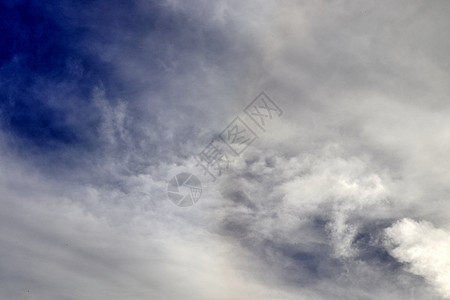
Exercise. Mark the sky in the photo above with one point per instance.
(342, 194)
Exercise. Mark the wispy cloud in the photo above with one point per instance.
(102, 102)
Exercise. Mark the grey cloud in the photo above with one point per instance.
(302, 213)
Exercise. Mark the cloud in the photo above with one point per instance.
(103, 102)
(424, 249)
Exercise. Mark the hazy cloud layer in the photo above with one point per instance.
(345, 196)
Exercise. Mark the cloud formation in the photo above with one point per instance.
(102, 102)
(424, 249)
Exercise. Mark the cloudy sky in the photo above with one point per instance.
(343, 195)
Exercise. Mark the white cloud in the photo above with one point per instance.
(424, 249)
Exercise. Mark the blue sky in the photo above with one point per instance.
(344, 196)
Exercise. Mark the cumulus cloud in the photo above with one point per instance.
(424, 249)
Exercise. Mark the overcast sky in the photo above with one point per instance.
(344, 195)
